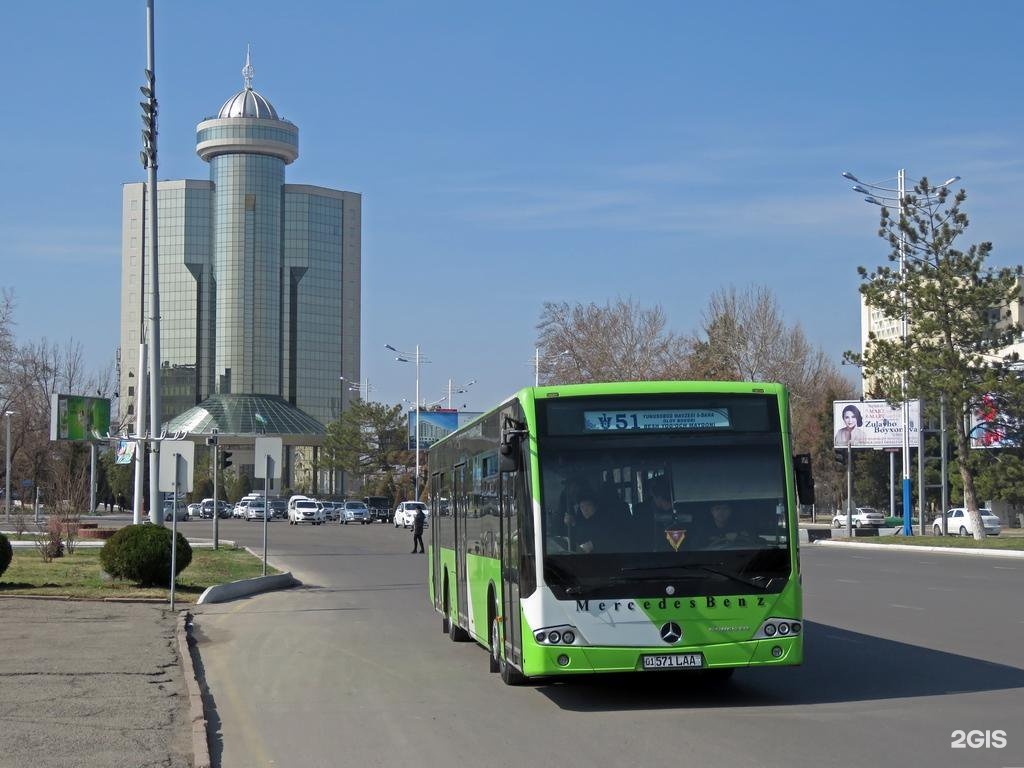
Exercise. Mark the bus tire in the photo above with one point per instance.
(510, 675)
(495, 649)
(457, 633)
(445, 621)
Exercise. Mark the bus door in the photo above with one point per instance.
(436, 494)
(459, 495)
(511, 510)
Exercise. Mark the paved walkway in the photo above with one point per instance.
(90, 685)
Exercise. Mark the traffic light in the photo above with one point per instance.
(225, 459)
(840, 456)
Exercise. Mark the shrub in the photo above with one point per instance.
(6, 553)
(142, 554)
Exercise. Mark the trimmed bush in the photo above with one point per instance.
(6, 553)
(142, 554)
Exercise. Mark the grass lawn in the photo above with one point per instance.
(80, 575)
(964, 542)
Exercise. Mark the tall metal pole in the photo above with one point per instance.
(416, 481)
(174, 525)
(849, 489)
(141, 397)
(216, 506)
(892, 485)
(155, 410)
(92, 477)
(908, 526)
(7, 477)
(266, 512)
(921, 492)
(944, 459)
(536, 366)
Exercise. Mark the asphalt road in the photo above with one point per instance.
(352, 669)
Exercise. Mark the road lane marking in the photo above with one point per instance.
(1005, 568)
(908, 607)
(849, 581)
(941, 589)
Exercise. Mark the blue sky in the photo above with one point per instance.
(515, 154)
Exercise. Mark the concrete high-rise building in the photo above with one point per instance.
(259, 279)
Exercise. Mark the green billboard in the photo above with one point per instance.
(75, 417)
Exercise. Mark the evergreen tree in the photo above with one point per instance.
(958, 319)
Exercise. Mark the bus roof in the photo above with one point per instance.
(528, 394)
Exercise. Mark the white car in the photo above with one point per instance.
(303, 510)
(863, 517)
(239, 510)
(958, 523)
(405, 513)
(355, 512)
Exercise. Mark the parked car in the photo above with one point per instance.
(863, 517)
(380, 508)
(239, 509)
(304, 510)
(406, 511)
(279, 509)
(206, 509)
(333, 510)
(356, 512)
(958, 523)
(169, 512)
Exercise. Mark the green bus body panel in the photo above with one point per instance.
(728, 646)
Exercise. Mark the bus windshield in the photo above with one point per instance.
(664, 490)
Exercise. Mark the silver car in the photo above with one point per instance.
(356, 512)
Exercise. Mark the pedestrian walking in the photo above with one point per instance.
(417, 530)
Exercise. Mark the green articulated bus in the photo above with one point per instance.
(622, 527)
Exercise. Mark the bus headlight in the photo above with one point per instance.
(565, 634)
(781, 627)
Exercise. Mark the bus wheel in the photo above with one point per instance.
(457, 633)
(495, 659)
(510, 675)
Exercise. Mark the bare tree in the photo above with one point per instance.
(620, 341)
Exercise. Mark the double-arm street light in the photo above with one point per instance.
(461, 389)
(362, 389)
(881, 195)
(417, 358)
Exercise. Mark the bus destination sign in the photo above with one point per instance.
(662, 419)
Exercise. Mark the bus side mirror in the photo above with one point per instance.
(509, 454)
(804, 478)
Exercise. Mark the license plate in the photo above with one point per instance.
(674, 661)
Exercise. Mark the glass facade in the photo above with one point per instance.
(248, 190)
(247, 132)
(314, 224)
(186, 290)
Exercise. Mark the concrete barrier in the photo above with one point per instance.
(221, 593)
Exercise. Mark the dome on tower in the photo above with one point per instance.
(247, 102)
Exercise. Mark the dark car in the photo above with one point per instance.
(279, 508)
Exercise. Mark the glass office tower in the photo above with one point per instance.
(259, 279)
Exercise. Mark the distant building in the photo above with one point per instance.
(873, 321)
(259, 279)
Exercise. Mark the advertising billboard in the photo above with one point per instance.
(75, 417)
(873, 424)
(433, 426)
(991, 427)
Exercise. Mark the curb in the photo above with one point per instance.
(1010, 553)
(221, 593)
(200, 749)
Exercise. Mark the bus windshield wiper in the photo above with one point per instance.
(757, 582)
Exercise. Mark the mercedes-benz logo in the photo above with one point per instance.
(671, 633)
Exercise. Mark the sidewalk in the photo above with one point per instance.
(92, 685)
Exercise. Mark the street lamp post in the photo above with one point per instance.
(536, 362)
(873, 195)
(7, 477)
(461, 389)
(416, 357)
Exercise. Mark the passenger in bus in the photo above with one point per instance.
(726, 531)
(589, 529)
